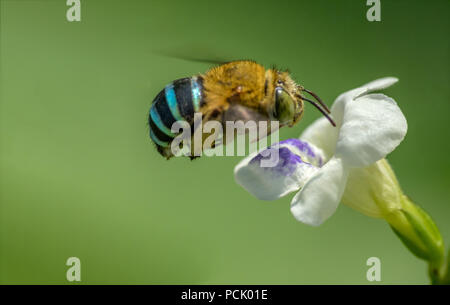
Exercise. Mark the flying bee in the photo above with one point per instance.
(238, 90)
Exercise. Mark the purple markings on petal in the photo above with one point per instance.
(301, 145)
(287, 163)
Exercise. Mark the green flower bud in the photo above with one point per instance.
(375, 191)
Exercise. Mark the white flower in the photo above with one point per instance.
(329, 163)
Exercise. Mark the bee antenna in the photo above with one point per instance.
(320, 109)
(318, 99)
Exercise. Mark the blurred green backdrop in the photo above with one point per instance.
(80, 177)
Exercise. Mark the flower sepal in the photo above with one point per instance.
(418, 232)
(440, 273)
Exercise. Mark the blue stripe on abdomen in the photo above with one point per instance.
(172, 102)
(177, 102)
(159, 118)
(154, 115)
(157, 140)
(196, 94)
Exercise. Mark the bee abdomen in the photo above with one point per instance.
(177, 102)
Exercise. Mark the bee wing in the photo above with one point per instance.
(203, 54)
(210, 61)
(237, 112)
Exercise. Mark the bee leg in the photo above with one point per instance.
(165, 152)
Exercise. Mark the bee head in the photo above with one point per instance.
(288, 100)
(287, 107)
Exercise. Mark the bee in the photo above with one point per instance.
(238, 90)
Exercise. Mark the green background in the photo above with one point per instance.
(80, 177)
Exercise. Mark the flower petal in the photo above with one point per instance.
(322, 134)
(338, 107)
(373, 127)
(379, 84)
(320, 196)
(307, 151)
(288, 174)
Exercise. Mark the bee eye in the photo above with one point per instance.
(284, 109)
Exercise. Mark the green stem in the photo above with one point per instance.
(440, 272)
(420, 235)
